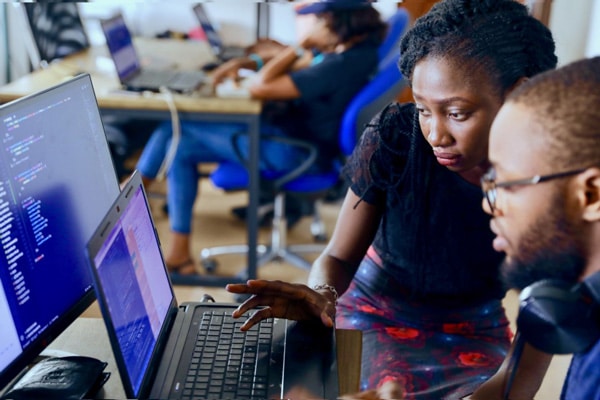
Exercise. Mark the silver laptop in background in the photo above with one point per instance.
(193, 350)
(132, 75)
(221, 51)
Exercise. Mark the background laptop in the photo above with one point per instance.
(221, 51)
(157, 342)
(129, 68)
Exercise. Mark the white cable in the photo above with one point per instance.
(176, 129)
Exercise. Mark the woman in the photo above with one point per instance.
(411, 251)
(305, 88)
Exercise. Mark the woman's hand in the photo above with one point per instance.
(282, 300)
(388, 391)
(229, 70)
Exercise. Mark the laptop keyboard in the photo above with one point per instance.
(227, 363)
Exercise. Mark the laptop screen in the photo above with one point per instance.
(211, 34)
(132, 282)
(56, 181)
(120, 46)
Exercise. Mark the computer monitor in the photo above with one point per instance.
(57, 30)
(57, 180)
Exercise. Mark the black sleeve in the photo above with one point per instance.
(379, 159)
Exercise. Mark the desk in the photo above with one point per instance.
(168, 53)
(84, 332)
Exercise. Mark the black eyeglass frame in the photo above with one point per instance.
(489, 184)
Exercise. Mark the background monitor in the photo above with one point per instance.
(57, 180)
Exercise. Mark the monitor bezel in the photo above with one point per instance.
(13, 371)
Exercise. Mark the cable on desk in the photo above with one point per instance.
(176, 128)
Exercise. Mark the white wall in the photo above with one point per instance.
(593, 43)
(574, 23)
(570, 23)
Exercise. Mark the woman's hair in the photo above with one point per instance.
(496, 37)
(352, 23)
(566, 103)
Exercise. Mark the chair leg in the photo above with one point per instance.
(276, 250)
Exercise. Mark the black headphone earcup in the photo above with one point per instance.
(557, 320)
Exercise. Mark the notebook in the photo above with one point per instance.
(221, 51)
(166, 350)
(132, 74)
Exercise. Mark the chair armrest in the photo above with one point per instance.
(278, 182)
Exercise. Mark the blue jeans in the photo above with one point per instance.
(206, 142)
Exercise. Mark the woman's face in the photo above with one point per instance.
(456, 110)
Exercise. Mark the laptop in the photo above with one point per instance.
(132, 74)
(166, 350)
(221, 51)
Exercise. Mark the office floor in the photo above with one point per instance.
(215, 225)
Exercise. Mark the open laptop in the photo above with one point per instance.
(166, 350)
(132, 74)
(221, 51)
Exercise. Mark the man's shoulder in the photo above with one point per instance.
(583, 378)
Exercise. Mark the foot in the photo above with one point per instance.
(186, 268)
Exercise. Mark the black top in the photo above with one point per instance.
(325, 88)
(434, 238)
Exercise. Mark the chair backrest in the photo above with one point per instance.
(397, 24)
(380, 91)
(57, 30)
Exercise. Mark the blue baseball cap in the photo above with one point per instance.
(333, 5)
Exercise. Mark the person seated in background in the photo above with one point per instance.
(304, 98)
(411, 254)
(543, 193)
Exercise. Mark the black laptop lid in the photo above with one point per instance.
(132, 286)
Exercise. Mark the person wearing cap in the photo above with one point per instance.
(305, 90)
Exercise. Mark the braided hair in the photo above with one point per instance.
(497, 37)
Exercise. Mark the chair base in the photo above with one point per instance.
(278, 250)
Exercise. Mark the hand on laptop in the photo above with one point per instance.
(282, 300)
(388, 391)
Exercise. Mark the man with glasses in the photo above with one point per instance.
(543, 192)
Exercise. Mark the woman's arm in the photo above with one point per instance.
(354, 232)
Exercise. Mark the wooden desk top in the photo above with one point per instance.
(159, 53)
(87, 336)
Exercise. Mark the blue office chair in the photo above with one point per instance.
(397, 24)
(381, 90)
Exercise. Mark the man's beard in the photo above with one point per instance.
(548, 250)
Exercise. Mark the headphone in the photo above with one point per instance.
(558, 318)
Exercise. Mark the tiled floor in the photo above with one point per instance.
(215, 225)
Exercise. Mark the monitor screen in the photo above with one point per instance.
(57, 180)
(120, 46)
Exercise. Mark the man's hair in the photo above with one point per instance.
(496, 37)
(351, 23)
(566, 104)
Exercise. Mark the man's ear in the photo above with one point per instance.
(590, 194)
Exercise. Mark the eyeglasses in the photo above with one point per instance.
(490, 186)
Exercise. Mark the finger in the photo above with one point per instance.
(366, 395)
(390, 390)
(253, 302)
(237, 288)
(258, 316)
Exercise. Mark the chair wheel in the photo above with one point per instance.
(209, 264)
(320, 238)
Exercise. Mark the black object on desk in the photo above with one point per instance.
(73, 377)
